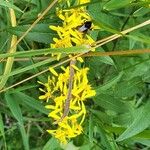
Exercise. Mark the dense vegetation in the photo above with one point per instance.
(118, 117)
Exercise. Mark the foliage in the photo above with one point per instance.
(118, 117)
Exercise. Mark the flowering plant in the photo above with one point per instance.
(68, 90)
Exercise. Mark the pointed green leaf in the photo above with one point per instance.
(102, 20)
(9, 5)
(68, 50)
(139, 37)
(14, 107)
(40, 33)
(29, 67)
(109, 102)
(109, 84)
(104, 139)
(24, 137)
(16, 111)
(91, 128)
(51, 144)
(141, 122)
(35, 104)
(116, 4)
(2, 127)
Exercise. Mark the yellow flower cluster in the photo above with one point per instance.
(68, 33)
(57, 89)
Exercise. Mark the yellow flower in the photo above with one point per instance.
(83, 1)
(66, 130)
(53, 71)
(57, 88)
(68, 33)
(55, 91)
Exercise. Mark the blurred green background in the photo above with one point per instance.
(118, 117)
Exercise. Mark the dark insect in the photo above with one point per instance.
(85, 27)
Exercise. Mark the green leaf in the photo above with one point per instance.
(119, 130)
(103, 117)
(24, 137)
(140, 123)
(139, 69)
(2, 131)
(141, 12)
(40, 33)
(103, 20)
(124, 119)
(109, 84)
(35, 104)
(109, 102)
(78, 141)
(25, 87)
(105, 26)
(14, 107)
(144, 142)
(116, 4)
(38, 64)
(139, 37)
(9, 5)
(16, 111)
(91, 128)
(105, 59)
(69, 50)
(68, 146)
(87, 147)
(2, 127)
(51, 144)
(104, 140)
(128, 88)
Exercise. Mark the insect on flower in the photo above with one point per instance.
(85, 27)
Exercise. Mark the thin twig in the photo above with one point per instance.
(34, 23)
(27, 59)
(69, 96)
(125, 52)
(90, 54)
(99, 43)
(39, 73)
(115, 36)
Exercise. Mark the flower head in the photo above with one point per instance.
(68, 33)
(58, 90)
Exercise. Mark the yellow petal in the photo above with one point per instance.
(53, 71)
(75, 67)
(80, 59)
(42, 97)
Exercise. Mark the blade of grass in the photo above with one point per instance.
(74, 49)
(29, 67)
(2, 129)
(58, 64)
(16, 111)
(10, 60)
(24, 137)
(31, 102)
